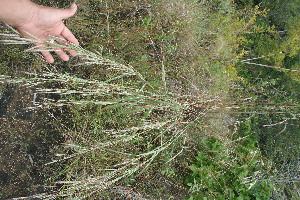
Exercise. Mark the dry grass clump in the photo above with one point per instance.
(139, 119)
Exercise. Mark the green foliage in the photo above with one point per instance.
(274, 92)
(278, 140)
(292, 41)
(222, 172)
(282, 12)
(276, 40)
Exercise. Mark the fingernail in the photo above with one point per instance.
(73, 5)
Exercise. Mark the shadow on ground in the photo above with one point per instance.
(27, 138)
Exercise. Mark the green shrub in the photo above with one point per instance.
(224, 172)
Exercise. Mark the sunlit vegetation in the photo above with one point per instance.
(168, 100)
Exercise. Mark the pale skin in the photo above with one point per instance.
(39, 21)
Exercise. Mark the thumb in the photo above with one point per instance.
(69, 12)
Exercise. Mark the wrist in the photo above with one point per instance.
(17, 12)
(30, 10)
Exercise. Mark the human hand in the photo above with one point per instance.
(47, 21)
